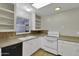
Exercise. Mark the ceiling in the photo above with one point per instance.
(50, 9)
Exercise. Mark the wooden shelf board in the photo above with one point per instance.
(8, 30)
(6, 24)
(22, 33)
(6, 17)
(7, 10)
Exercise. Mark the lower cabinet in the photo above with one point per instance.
(66, 48)
(25, 48)
(70, 49)
(0, 51)
(60, 47)
(29, 47)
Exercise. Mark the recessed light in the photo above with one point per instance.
(56, 9)
(28, 9)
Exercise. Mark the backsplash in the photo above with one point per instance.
(34, 33)
(69, 38)
(7, 35)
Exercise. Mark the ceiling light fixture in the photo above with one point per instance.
(39, 5)
(28, 9)
(56, 9)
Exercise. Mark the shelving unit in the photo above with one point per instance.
(6, 17)
(3, 16)
(38, 22)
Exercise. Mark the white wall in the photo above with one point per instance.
(66, 22)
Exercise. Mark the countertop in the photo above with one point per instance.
(7, 39)
(12, 41)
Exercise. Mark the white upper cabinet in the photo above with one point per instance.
(6, 17)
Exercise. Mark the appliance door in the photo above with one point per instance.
(14, 50)
(51, 42)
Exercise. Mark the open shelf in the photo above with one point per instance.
(22, 33)
(7, 30)
(6, 24)
(6, 10)
(6, 17)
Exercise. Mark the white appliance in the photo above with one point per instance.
(51, 42)
(56, 34)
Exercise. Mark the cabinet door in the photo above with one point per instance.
(52, 42)
(43, 41)
(77, 49)
(0, 51)
(29, 47)
(70, 49)
(38, 43)
(60, 47)
(35, 44)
